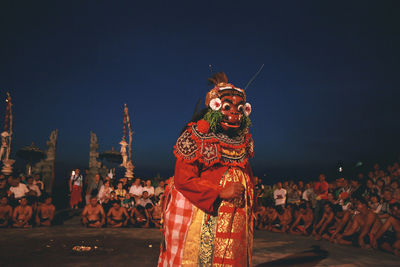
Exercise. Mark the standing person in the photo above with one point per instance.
(75, 188)
(321, 190)
(280, 195)
(212, 193)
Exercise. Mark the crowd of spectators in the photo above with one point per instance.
(121, 202)
(24, 203)
(361, 211)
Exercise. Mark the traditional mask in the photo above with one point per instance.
(227, 103)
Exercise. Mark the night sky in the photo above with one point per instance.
(329, 90)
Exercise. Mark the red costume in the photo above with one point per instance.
(201, 228)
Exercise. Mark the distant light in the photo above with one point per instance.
(340, 169)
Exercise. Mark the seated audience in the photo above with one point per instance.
(93, 214)
(6, 212)
(385, 238)
(149, 188)
(136, 190)
(139, 217)
(303, 222)
(45, 212)
(284, 219)
(117, 215)
(22, 214)
(327, 220)
(358, 231)
(120, 192)
(144, 200)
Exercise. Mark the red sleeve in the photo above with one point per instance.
(201, 192)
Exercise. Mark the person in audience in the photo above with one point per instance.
(159, 189)
(156, 212)
(261, 217)
(37, 181)
(128, 203)
(18, 189)
(45, 212)
(6, 212)
(4, 192)
(149, 188)
(104, 192)
(34, 189)
(139, 217)
(386, 239)
(272, 217)
(303, 222)
(136, 190)
(387, 200)
(144, 200)
(362, 224)
(117, 216)
(374, 203)
(327, 220)
(93, 215)
(321, 190)
(120, 192)
(75, 189)
(284, 217)
(293, 195)
(22, 214)
(280, 195)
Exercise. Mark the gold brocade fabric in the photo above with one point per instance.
(191, 249)
(233, 237)
(224, 240)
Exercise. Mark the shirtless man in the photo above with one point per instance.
(5, 212)
(155, 213)
(22, 214)
(357, 232)
(93, 214)
(45, 213)
(285, 217)
(272, 217)
(326, 221)
(117, 215)
(140, 217)
(306, 215)
(261, 217)
(385, 239)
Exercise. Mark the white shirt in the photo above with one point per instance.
(77, 180)
(136, 190)
(149, 190)
(143, 202)
(280, 192)
(104, 193)
(19, 191)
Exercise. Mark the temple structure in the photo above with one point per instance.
(46, 167)
(94, 164)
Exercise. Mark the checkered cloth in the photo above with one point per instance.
(177, 218)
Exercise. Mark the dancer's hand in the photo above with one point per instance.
(233, 190)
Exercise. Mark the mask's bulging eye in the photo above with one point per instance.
(240, 108)
(226, 106)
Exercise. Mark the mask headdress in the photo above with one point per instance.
(213, 102)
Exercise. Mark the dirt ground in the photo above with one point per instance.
(140, 247)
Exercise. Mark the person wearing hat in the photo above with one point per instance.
(209, 201)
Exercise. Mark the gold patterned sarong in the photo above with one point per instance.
(226, 239)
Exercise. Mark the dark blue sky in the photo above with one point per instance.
(329, 90)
